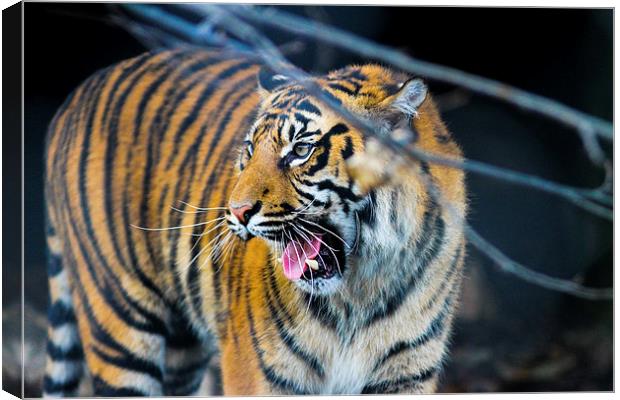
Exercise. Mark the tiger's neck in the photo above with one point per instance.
(386, 250)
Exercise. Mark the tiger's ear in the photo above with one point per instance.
(268, 80)
(403, 105)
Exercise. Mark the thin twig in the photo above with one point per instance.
(510, 266)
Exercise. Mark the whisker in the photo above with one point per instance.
(219, 245)
(311, 274)
(304, 212)
(331, 250)
(282, 241)
(170, 228)
(294, 247)
(201, 208)
(308, 241)
(222, 222)
(209, 246)
(358, 232)
(218, 242)
(187, 212)
(198, 241)
(326, 230)
(298, 211)
(232, 248)
(311, 292)
(311, 213)
(201, 250)
(226, 248)
(337, 262)
(316, 237)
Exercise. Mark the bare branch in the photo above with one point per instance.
(531, 276)
(199, 35)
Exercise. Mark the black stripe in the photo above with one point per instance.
(127, 71)
(54, 265)
(132, 66)
(73, 353)
(153, 323)
(396, 385)
(129, 362)
(306, 105)
(337, 86)
(304, 121)
(306, 134)
(103, 389)
(321, 159)
(185, 180)
(343, 192)
(50, 386)
(84, 155)
(291, 132)
(306, 195)
(60, 313)
(347, 151)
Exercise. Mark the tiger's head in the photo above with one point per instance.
(293, 189)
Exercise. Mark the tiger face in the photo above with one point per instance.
(293, 188)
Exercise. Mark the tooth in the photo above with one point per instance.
(313, 264)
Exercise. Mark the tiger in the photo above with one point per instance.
(201, 204)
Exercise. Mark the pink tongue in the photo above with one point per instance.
(295, 254)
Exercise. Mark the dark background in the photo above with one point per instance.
(510, 335)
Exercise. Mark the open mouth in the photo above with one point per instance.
(315, 256)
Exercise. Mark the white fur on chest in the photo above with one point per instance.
(347, 372)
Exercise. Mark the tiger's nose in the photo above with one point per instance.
(245, 211)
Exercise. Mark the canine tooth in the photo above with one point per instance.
(313, 264)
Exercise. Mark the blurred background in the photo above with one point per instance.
(509, 335)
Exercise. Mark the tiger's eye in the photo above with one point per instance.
(302, 150)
